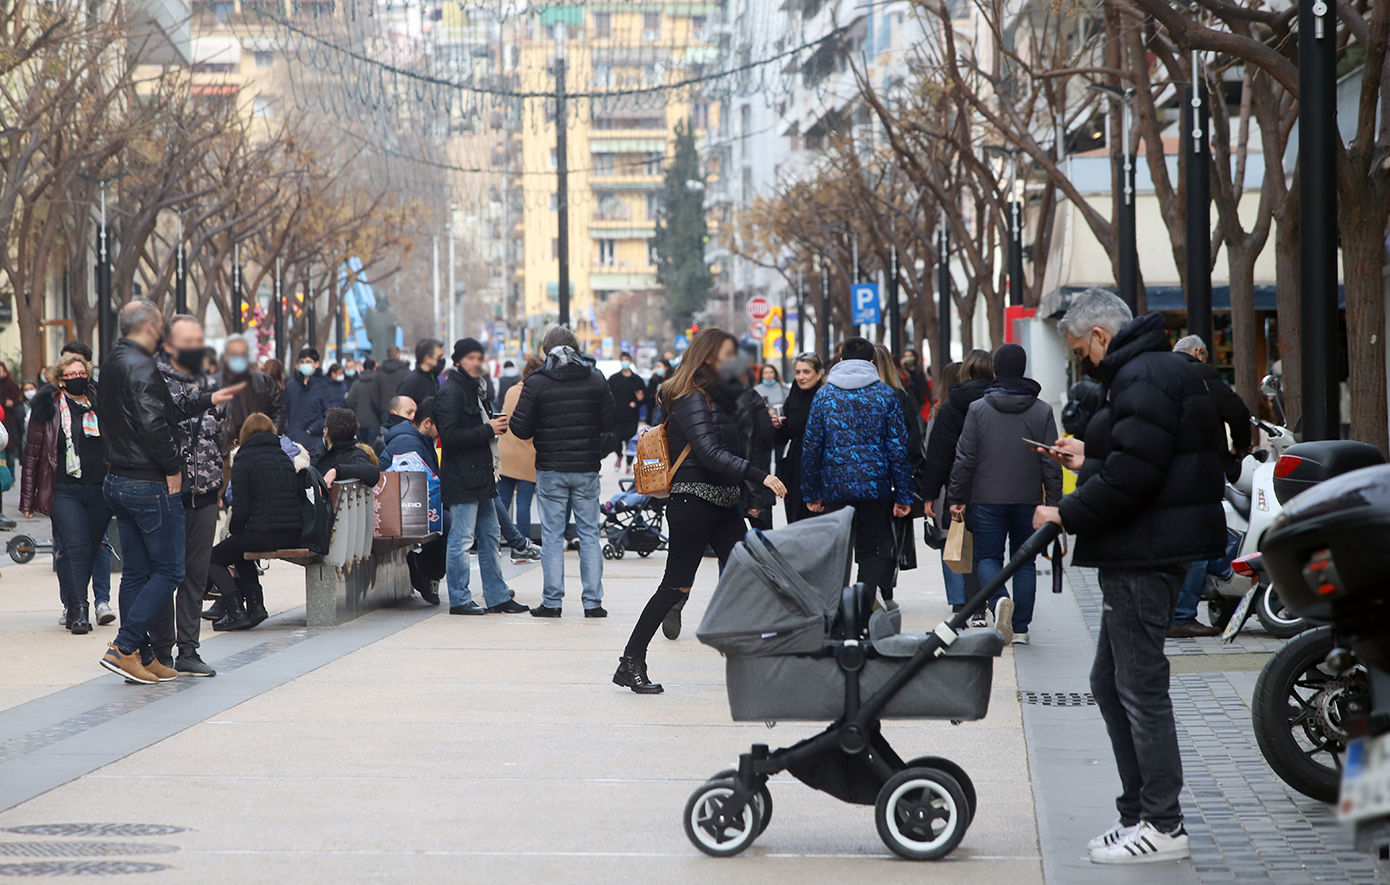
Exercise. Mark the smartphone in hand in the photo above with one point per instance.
(1041, 445)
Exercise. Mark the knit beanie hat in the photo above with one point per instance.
(464, 346)
(1010, 361)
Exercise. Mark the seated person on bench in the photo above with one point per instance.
(343, 458)
(266, 494)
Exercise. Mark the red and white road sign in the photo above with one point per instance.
(758, 330)
(758, 308)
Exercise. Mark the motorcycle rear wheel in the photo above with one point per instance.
(1274, 617)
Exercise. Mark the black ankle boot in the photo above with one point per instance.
(215, 612)
(78, 621)
(255, 607)
(632, 673)
(235, 618)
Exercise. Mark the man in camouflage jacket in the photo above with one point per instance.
(181, 362)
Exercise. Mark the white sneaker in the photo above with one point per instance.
(1020, 639)
(104, 614)
(1117, 832)
(1145, 844)
(1004, 618)
(63, 618)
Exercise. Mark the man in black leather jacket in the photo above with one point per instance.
(137, 415)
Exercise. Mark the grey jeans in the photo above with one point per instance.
(1130, 682)
(200, 526)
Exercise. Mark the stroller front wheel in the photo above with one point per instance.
(762, 798)
(716, 831)
(921, 813)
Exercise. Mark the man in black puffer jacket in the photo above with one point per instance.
(1147, 503)
(567, 408)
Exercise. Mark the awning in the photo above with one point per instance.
(216, 50)
(1169, 298)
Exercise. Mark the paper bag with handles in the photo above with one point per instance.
(959, 553)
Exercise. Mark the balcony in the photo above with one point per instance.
(161, 28)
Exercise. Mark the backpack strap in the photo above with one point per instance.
(679, 461)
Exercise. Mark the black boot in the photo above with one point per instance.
(78, 622)
(255, 606)
(235, 618)
(632, 673)
(215, 611)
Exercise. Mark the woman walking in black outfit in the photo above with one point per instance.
(265, 494)
(791, 428)
(701, 400)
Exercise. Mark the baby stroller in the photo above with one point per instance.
(632, 522)
(801, 644)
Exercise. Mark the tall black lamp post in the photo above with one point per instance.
(1128, 281)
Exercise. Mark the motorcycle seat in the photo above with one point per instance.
(1239, 500)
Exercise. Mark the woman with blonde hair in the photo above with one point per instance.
(63, 473)
(808, 373)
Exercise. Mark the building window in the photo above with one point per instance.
(699, 115)
(652, 258)
(554, 161)
(554, 202)
(653, 207)
(653, 164)
(603, 75)
(651, 75)
(607, 253)
(603, 25)
(610, 208)
(603, 164)
(651, 27)
(748, 184)
(262, 107)
(265, 59)
(697, 26)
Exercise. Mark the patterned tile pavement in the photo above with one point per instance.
(1245, 824)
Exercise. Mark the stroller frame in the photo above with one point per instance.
(729, 812)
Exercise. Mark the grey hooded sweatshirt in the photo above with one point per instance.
(993, 465)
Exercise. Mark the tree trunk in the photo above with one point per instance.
(1240, 262)
(1289, 301)
(1363, 261)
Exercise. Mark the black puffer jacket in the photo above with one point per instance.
(137, 415)
(566, 408)
(467, 469)
(1150, 491)
(945, 433)
(351, 462)
(389, 376)
(708, 425)
(265, 489)
(418, 385)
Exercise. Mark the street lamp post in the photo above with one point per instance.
(1198, 205)
(434, 276)
(180, 273)
(1317, 213)
(1128, 236)
(1015, 225)
(453, 294)
(237, 322)
(278, 315)
(106, 310)
(943, 291)
(310, 313)
(562, 233)
(895, 325)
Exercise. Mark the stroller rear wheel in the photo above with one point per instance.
(762, 798)
(713, 830)
(921, 813)
(967, 786)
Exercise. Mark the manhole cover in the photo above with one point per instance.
(80, 868)
(81, 849)
(96, 830)
(1057, 698)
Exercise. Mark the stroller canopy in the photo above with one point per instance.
(781, 589)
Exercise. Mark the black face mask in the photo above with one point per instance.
(76, 386)
(1089, 369)
(191, 358)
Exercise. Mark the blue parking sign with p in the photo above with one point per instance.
(864, 298)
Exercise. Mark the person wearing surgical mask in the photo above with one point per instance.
(261, 394)
(308, 397)
(629, 395)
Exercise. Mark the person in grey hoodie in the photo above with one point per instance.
(1002, 480)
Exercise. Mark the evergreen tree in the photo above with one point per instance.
(680, 235)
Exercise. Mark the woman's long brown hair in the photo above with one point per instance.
(697, 370)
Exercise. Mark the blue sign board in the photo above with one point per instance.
(682, 342)
(864, 297)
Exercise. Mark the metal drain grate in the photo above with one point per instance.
(96, 830)
(1057, 698)
(80, 868)
(81, 849)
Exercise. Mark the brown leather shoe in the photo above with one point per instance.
(1192, 630)
(127, 665)
(161, 672)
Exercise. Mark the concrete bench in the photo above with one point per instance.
(359, 572)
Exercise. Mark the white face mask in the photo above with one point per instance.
(29, 394)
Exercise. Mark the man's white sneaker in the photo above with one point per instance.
(1004, 618)
(1116, 832)
(1145, 844)
(1020, 639)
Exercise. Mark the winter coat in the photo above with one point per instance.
(1229, 406)
(1149, 493)
(43, 450)
(795, 411)
(360, 399)
(941, 448)
(856, 440)
(419, 386)
(137, 415)
(199, 438)
(308, 401)
(772, 394)
(707, 422)
(351, 462)
(518, 455)
(338, 391)
(12, 398)
(261, 394)
(468, 467)
(758, 436)
(626, 404)
(405, 438)
(565, 408)
(266, 493)
(389, 376)
(505, 385)
(379, 444)
(993, 465)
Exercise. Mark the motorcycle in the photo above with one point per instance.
(1322, 701)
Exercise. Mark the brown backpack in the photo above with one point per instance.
(654, 472)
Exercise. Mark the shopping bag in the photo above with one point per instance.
(412, 462)
(959, 554)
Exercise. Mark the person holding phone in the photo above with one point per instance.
(1002, 478)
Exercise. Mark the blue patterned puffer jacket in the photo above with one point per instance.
(855, 448)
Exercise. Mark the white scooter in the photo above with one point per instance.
(1251, 507)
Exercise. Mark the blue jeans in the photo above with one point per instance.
(80, 517)
(150, 521)
(557, 494)
(992, 524)
(514, 538)
(1191, 593)
(468, 522)
(955, 585)
(101, 572)
(524, 490)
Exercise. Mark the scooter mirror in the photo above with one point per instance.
(1270, 385)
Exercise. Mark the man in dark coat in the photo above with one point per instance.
(629, 392)
(389, 376)
(308, 397)
(1147, 503)
(423, 381)
(566, 408)
(359, 399)
(261, 393)
(468, 482)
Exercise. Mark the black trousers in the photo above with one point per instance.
(80, 517)
(692, 524)
(875, 546)
(229, 554)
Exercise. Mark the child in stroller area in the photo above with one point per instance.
(632, 521)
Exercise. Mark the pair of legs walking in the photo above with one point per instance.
(558, 495)
(992, 525)
(80, 517)
(151, 525)
(182, 622)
